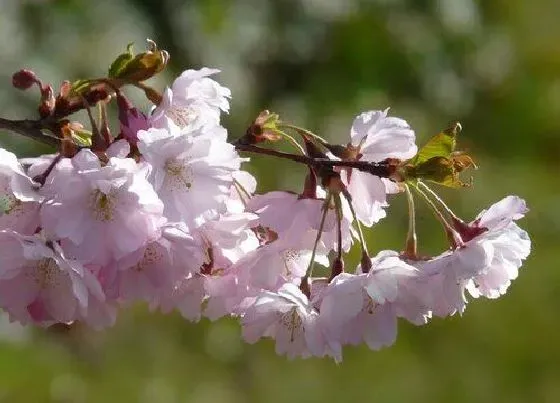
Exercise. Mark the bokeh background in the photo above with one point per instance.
(494, 65)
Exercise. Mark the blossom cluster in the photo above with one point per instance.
(165, 215)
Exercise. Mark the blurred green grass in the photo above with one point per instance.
(492, 65)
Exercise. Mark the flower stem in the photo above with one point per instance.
(452, 235)
(319, 232)
(361, 238)
(304, 132)
(411, 246)
(242, 192)
(439, 200)
(291, 140)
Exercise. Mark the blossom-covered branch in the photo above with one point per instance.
(159, 210)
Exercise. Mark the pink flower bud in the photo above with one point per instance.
(24, 79)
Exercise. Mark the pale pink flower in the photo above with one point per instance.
(365, 306)
(287, 317)
(377, 137)
(19, 199)
(280, 261)
(193, 101)
(291, 216)
(101, 213)
(38, 284)
(493, 250)
(192, 175)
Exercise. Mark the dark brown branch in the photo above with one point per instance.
(381, 169)
(32, 129)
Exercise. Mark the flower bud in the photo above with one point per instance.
(24, 79)
(131, 119)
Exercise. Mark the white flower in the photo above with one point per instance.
(376, 138)
(101, 213)
(39, 284)
(192, 175)
(365, 306)
(288, 317)
(19, 199)
(193, 101)
(494, 248)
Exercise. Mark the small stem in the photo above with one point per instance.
(411, 246)
(42, 178)
(304, 132)
(439, 200)
(241, 191)
(291, 140)
(321, 225)
(452, 235)
(361, 238)
(338, 210)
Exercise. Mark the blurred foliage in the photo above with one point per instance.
(493, 65)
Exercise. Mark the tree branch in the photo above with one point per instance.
(32, 129)
(380, 169)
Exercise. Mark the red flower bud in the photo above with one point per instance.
(24, 79)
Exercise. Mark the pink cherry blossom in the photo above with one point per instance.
(101, 213)
(192, 175)
(193, 101)
(19, 199)
(291, 215)
(365, 307)
(376, 137)
(287, 317)
(485, 264)
(283, 260)
(39, 284)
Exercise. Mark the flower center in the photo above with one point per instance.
(46, 273)
(179, 176)
(102, 205)
(181, 116)
(151, 255)
(293, 322)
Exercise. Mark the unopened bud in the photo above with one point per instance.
(131, 119)
(48, 102)
(24, 79)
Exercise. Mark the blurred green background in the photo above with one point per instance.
(494, 65)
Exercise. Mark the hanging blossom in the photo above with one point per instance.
(39, 284)
(192, 174)
(492, 251)
(101, 213)
(193, 102)
(374, 138)
(163, 213)
(19, 199)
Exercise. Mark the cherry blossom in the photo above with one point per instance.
(192, 175)
(39, 284)
(376, 137)
(19, 199)
(288, 317)
(365, 306)
(101, 213)
(193, 101)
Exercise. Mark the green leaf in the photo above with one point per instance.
(82, 137)
(120, 63)
(441, 145)
(79, 86)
